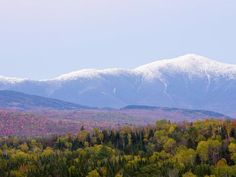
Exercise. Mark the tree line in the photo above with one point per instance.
(204, 148)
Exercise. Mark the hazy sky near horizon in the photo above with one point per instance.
(43, 39)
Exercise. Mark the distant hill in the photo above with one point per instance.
(18, 100)
(175, 113)
(28, 115)
(43, 122)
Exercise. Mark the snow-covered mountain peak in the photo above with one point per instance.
(196, 61)
(185, 61)
(190, 64)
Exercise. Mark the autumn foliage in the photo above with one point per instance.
(202, 148)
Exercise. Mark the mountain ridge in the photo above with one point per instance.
(189, 81)
(188, 59)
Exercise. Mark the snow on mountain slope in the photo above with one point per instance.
(189, 81)
(10, 79)
(90, 73)
(190, 64)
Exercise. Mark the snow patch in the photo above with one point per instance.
(11, 80)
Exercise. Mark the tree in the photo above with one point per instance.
(189, 174)
(222, 169)
(24, 147)
(202, 150)
(209, 150)
(186, 156)
(169, 145)
(232, 147)
(232, 150)
(93, 173)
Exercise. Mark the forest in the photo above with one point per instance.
(204, 148)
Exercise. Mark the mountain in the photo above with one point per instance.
(17, 100)
(189, 81)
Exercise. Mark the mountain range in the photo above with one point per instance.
(189, 82)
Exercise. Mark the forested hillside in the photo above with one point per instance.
(48, 122)
(203, 148)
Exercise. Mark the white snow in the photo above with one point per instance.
(11, 80)
(91, 73)
(88, 73)
(190, 64)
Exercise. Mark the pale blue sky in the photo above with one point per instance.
(45, 38)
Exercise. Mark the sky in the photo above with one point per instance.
(46, 38)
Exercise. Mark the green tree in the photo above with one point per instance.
(93, 173)
(189, 174)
